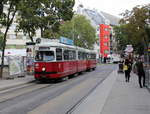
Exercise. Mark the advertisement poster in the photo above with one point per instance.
(30, 57)
(16, 67)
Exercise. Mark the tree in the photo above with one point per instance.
(80, 30)
(32, 15)
(6, 19)
(1, 40)
(123, 38)
(45, 15)
(137, 24)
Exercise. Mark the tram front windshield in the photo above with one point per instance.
(44, 56)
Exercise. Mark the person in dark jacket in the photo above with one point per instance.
(140, 72)
(127, 70)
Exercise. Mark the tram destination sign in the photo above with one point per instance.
(67, 41)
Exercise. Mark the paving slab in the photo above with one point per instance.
(115, 96)
(127, 98)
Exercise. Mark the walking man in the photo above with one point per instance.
(140, 72)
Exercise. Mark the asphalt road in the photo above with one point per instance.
(53, 98)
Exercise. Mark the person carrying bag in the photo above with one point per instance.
(126, 70)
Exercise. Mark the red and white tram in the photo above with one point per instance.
(56, 60)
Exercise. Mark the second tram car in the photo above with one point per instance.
(56, 60)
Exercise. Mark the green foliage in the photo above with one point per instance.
(48, 33)
(134, 29)
(44, 14)
(80, 30)
(137, 25)
(121, 37)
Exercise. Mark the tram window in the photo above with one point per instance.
(74, 55)
(88, 56)
(66, 54)
(79, 55)
(44, 56)
(58, 54)
(70, 55)
(84, 56)
(93, 56)
(38, 56)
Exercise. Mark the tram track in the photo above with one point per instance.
(84, 97)
(11, 93)
(73, 97)
(65, 96)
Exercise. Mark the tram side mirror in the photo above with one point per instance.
(38, 40)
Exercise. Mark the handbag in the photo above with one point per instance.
(125, 67)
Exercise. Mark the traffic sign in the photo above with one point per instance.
(129, 48)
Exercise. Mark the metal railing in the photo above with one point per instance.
(147, 69)
(147, 77)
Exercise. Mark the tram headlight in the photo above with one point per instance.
(43, 69)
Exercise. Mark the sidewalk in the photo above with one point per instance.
(115, 96)
(15, 82)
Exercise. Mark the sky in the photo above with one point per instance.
(114, 7)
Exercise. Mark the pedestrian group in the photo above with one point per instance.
(137, 67)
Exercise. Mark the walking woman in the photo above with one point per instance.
(127, 70)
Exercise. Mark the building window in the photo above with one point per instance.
(13, 27)
(106, 36)
(19, 36)
(106, 51)
(106, 29)
(12, 36)
(105, 44)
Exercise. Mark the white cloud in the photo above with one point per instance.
(114, 7)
